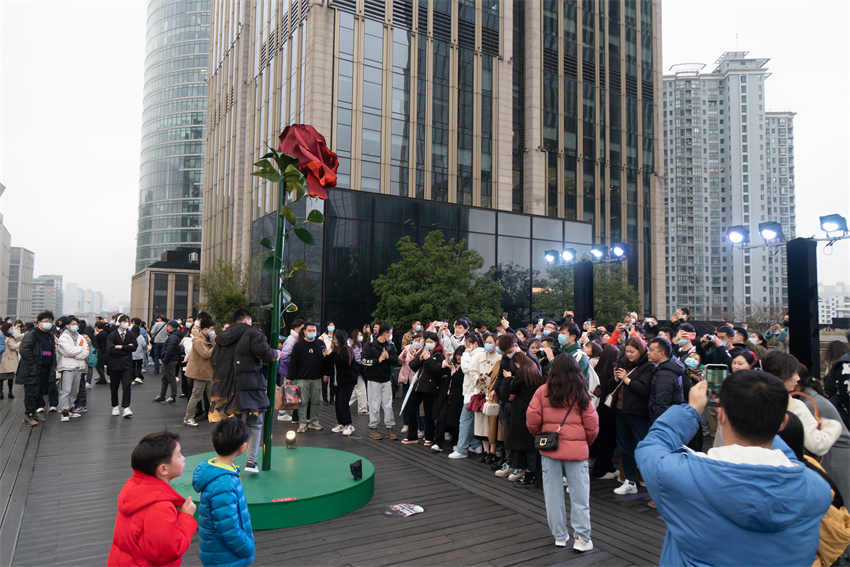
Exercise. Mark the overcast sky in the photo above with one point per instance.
(71, 77)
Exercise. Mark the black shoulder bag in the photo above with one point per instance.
(549, 441)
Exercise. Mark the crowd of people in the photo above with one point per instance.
(551, 405)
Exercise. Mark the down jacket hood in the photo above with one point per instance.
(231, 335)
(142, 490)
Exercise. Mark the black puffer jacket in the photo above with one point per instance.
(636, 394)
(836, 385)
(373, 370)
(38, 357)
(666, 388)
(240, 351)
(432, 372)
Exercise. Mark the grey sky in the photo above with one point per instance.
(71, 77)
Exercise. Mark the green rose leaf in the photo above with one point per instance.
(304, 235)
(268, 265)
(288, 215)
(316, 217)
(294, 180)
(298, 265)
(266, 243)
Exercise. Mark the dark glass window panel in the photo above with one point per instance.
(514, 225)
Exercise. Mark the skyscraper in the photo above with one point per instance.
(19, 299)
(727, 163)
(546, 108)
(47, 295)
(174, 111)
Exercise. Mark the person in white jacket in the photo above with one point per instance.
(818, 435)
(72, 350)
(466, 441)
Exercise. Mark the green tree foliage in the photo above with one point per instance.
(437, 281)
(225, 289)
(613, 297)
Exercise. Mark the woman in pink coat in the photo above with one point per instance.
(563, 405)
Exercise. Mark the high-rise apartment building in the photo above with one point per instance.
(548, 109)
(174, 111)
(78, 300)
(47, 294)
(19, 299)
(727, 163)
(5, 257)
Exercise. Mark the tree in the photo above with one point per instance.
(613, 297)
(225, 289)
(436, 281)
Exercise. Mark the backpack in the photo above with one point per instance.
(592, 378)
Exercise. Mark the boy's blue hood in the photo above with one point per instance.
(205, 473)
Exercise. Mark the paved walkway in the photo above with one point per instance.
(59, 484)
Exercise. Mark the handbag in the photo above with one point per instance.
(549, 441)
(490, 409)
(476, 403)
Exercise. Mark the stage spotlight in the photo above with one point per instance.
(357, 469)
(833, 223)
(597, 253)
(568, 254)
(290, 439)
(771, 231)
(550, 256)
(738, 234)
(618, 250)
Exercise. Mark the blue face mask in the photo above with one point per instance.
(562, 340)
(682, 342)
(73, 328)
(331, 328)
(691, 363)
(754, 340)
(510, 354)
(499, 351)
(418, 328)
(311, 334)
(489, 347)
(722, 344)
(46, 326)
(547, 332)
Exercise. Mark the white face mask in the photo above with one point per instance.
(124, 325)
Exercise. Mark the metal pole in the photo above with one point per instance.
(274, 332)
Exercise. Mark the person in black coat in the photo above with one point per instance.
(450, 402)
(603, 447)
(523, 377)
(101, 333)
(836, 385)
(377, 357)
(344, 379)
(172, 354)
(666, 388)
(239, 384)
(429, 366)
(36, 367)
(120, 345)
(631, 401)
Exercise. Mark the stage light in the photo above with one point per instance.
(833, 223)
(290, 439)
(618, 250)
(738, 234)
(568, 254)
(550, 256)
(597, 253)
(356, 469)
(771, 231)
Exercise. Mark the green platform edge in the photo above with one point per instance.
(270, 515)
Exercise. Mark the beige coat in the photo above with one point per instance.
(200, 366)
(9, 361)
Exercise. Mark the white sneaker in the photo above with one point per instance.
(628, 487)
(116, 410)
(403, 429)
(610, 475)
(302, 428)
(516, 474)
(436, 448)
(315, 426)
(581, 545)
(128, 413)
(251, 468)
(65, 417)
(40, 410)
(561, 542)
(74, 414)
(284, 416)
(337, 429)
(89, 386)
(52, 409)
(476, 450)
(456, 455)
(504, 471)
(190, 422)
(348, 430)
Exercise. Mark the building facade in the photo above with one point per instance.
(47, 295)
(548, 108)
(5, 257)
(169, 287)
(833, 302)
(173, 137)
(19, 298)
(727, 163)
(78, 300)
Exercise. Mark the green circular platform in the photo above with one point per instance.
(305, 485)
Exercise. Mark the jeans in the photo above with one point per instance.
(466, 440)
(343, 410)
(380, 396)
(199, 388)
(121, 378)
(360, 393)
(311, 398)
(156, 354)
(70, 385)
(578, 479)
(255, 426)
(631, 429)
(169, 379)
(413, 419)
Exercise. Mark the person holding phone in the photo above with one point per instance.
(632, 375)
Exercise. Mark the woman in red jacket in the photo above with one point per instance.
(563, 405)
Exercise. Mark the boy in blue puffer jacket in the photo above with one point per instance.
(227, 539)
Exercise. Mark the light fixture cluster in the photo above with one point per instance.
(616, 253)
(835, 226)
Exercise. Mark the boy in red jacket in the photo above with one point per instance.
(155, 525)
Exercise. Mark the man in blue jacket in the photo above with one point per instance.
(749, 502)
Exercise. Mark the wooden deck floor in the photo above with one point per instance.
(59, 484)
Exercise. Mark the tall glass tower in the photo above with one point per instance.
(173, 117)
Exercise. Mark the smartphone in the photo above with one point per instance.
(540, 321)
(505, 315)
(715, 374)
